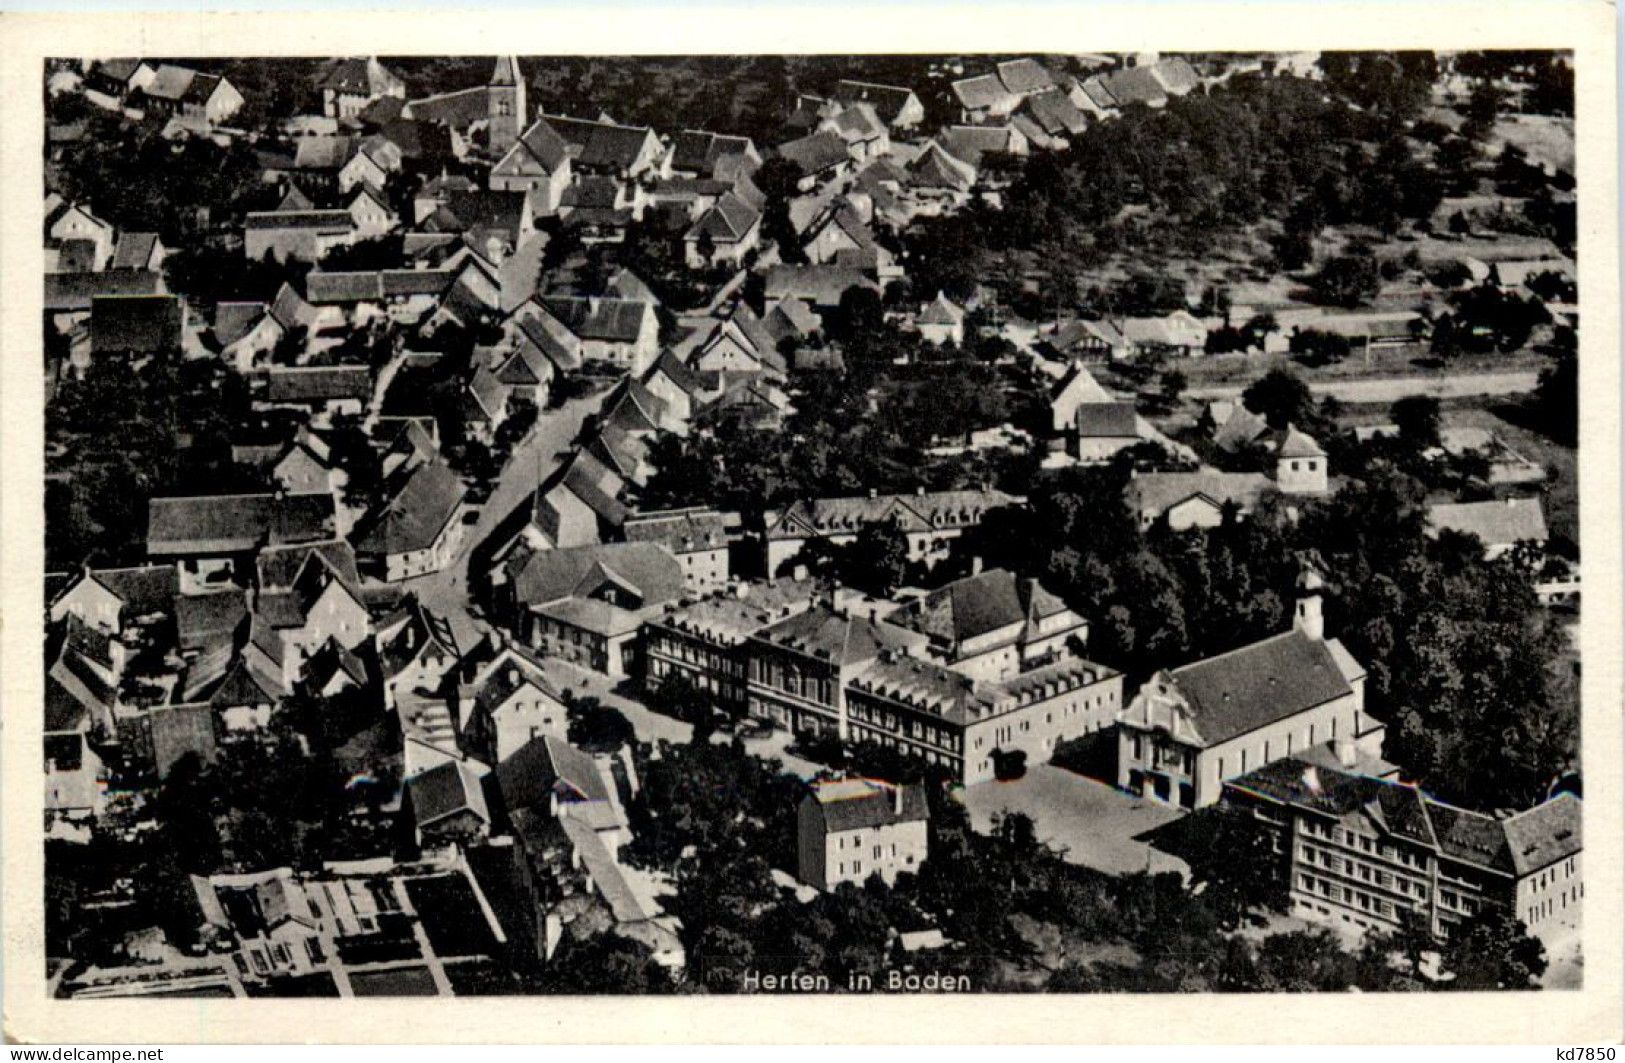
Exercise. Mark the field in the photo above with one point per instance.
(401, 982)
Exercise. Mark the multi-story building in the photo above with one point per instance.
(1191, 728)
(850, 829)
(695, 536)
(930, 521)
(1364, 851)
(943, 717)
(992, 626)
(800, 667)
(705, 641)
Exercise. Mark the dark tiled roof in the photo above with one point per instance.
(318, 384)
(816, 153)
(1241, 691)
(822, 632)
(647, 569)
(181, 729)
(321, 220)
(236, 523)
(601, 145)
(611, 320)
(1024, 76)
(414, 517)
(861, 804)
(140, 324)
(74, 291)
(681, 533)
(545, 767)
(445, 790)
(887, 100)
(1107, 420)
(144, 590)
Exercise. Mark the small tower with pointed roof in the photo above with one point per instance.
(1300, 464)
(506, 96)
(1309, 619)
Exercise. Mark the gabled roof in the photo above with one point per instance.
(728, 222)
(416, 514)
(134, 250)
(646, 569)
(979, 605)
(1056, 114)
(806, 518)
(682, 532)
(1024, 76)
(1496, 522)
(671, 367)
(1295, 444)
(820, 285)
(326, 221)
(602, 145)
(208, 524)
(144, 590)
(323, 151)
(1239, 430)
(934, 167)
(74, 291)
(1240, 691)
(445, 790)
(887, 100)
(204, 620)
(139, 324)
(1134, 85)
(169, 82)
(839, 637)
(1107, 420)
(941, 311)
(1153, 494)
(701, 151)
(318, 384)
(610, 320)
(545, 768)
(864, 804)
(985, 92)
(816, 153)
(539, 149)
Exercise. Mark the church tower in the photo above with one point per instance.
(1309, 618)
(506, 96)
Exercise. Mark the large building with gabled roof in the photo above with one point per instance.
(929, 520)
(1367, 852)
(993, 625)
(1189, 729)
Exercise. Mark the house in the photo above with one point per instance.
(448, 804)
(942, 321)
(372, 214)
(1300, 464)
(349, 85)
(588, 603)
(861, 130)
(1191, 729)
(1177, 335)
(580, 505)
(305, 236)
(371, 162)
(1055, 114)
(112, 598)
(1074, 389)
(323, 391)
(537, 164)
(820, 157)
(323, 605)
(674, 384)
(895, 105)
(820, 286)
(304, 466)
(705, 641)
(620, 332)
(1369, 852)
(611, 149)
(930, 521)
(416, 649)
(138, 325)
(206, 535)
(181, 730)
(416, 531)
(547, 776)
(938, 181)
(984, 97)
(733, 340)
(698, 153)
(973, 143)
(752, 400)
(117, 78)
(485, 405)
(725, 234)
(1500, 524)
(1024, 77)
(199, 100)
(266, 920)
(848, 830)
(505, 701)
(696, 537)
(1235, 427)
(526, 371)
(493, 224)
(1102, 430)
(75, 780)
(1193, 499)
(842, 235)
(76, 222)
(993, 625)
(1082, 340)
(138, 251)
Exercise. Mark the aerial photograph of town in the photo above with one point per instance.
(849, 524)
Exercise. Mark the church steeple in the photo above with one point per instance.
(506, 94)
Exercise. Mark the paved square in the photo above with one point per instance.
(1094, 824)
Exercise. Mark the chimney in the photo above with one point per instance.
(872, 493)
(1311, 779)
(1346, 754)
(897, 800)
(799, 573)
(976, 565)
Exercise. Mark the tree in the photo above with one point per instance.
(1233, 863)
(598, 728)
(1417, 417)
(1557, 399)
(1492, 950)
(1320, 347)
(1347, 280)
(1281, 398)
(876, 560)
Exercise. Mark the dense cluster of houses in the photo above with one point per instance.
(306, 590)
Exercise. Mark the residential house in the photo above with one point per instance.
(305, 236)
(580, 505)
(820, 157)
(198, 100)
(349, 85)
(417, 650)
(323, 605)
(1194, 499)
(734, 340)
(896, 106)
(138, 251)
(849, 830)
(930, 521)
(136, 325)
(447, 803)
(1102, 430)
(485, 405)
(861, 130)
(1177, 335)
(698, 153)
(820, 286)
(505, 700)
(372, 214)
(675, 384)
(1073, 390)
(75, 222)
(324, 392)
(537, 164)
(610, 149)
(695, 536)
(620, 332)
(1367, 853)
(587, 603)
(983, 98)
(993, 625)
(942, 321)
(371, 162)
(936, 181)
(1081, 340)
(1191, 729)
(1300, 464)
(974, 143)
(118, 78)
(304, 466)
(548, 776)
(416, 530)
(725, 234)
(207, 535)
(1500, 524)
(112, 598)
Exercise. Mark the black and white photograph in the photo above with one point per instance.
(816, 524)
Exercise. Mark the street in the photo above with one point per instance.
(533, 460)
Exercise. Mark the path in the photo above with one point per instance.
(1390, 389)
